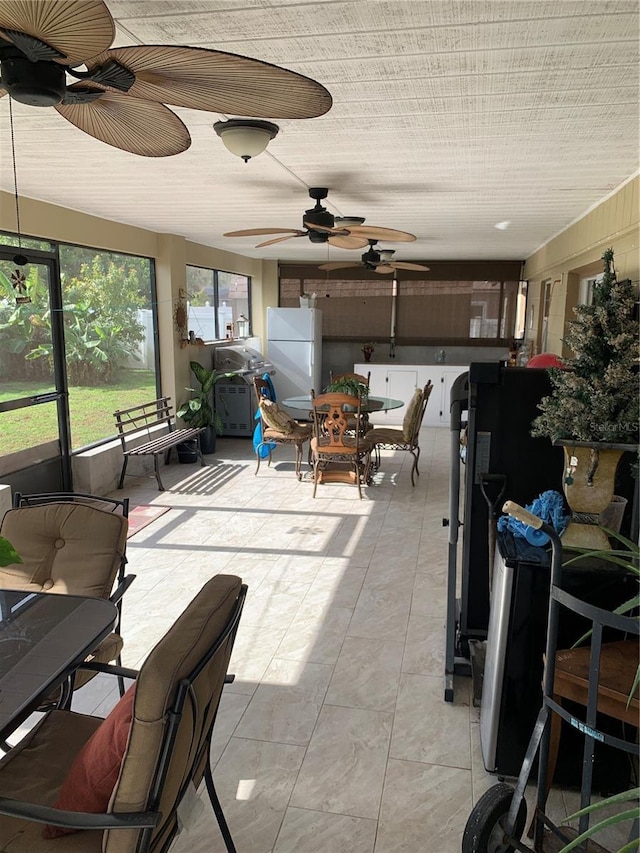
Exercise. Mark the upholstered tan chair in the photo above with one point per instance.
(339, 450)
(70, 544)
(159, 742)
(407, 438)
(278, 427)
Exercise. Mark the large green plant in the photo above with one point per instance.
(94, 351)
(199, 411)
(102, 296)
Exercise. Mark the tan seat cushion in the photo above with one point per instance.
(276, 418)
(386, 435)
(34, 771)
(300, 432)
(412, 415)
(88, 785)
(65, 548)
(323, 445)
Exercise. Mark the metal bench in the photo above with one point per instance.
(148, 418)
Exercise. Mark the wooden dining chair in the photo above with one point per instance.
(278, 427)
(407, 438)
(363, 382)
(338, 453)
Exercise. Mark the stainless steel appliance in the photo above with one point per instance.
(234, 396)
(512, 683)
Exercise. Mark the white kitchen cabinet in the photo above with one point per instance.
(400, 380)
(438, 408)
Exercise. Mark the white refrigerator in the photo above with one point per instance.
(294, 347)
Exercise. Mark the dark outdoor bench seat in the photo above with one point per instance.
(150, 417)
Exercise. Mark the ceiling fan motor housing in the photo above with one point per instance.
(318, 237)
(370, 258)
(319, 216)
(37, 84)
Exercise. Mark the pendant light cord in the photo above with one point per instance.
(15, 173)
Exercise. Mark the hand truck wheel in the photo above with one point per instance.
(484, 832)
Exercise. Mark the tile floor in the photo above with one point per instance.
(334, 737)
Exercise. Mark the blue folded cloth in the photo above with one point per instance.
(549, 506)
(263, 449)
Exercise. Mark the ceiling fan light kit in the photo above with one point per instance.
(246, 138)
(122, 96)
(348, 221)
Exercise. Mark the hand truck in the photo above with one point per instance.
(498, 819)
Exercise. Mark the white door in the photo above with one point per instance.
(400, 384)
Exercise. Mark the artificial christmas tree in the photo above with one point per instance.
(596, 399)
(593, 410)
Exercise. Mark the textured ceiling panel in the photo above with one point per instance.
(448, 117)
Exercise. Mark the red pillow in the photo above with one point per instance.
(92, 776)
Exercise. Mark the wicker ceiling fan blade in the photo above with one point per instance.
(256, 232)
(404, 265)
(373, 232)
(336, 232)
(140, 127)
(218, 82)
(348, 242)
(339, 265)
(384, 268)
(280, 239)
(78, 30)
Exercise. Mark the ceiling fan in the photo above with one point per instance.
(320, 226)
(377, 260)
(120, 98)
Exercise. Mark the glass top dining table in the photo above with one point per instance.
(44, 637)
(368, 404)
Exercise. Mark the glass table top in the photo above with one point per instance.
(368, 405)
(43, 637)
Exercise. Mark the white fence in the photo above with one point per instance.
(145, 350)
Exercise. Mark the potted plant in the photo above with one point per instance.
(348, 385)
(593, 407)
(199, 410)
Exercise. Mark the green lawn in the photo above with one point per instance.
(91, 410)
